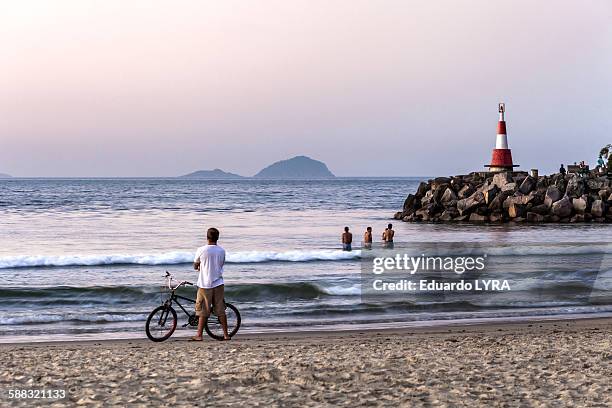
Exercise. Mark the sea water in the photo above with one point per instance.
(84, 258)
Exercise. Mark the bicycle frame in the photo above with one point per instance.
(174, 298)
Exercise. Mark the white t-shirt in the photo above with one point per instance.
(212, 258)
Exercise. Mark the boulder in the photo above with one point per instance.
(598, 209)
(410, 204)
(510, 187)
(467, 205)
(516, 210)
(541, 209)
(448, 196)
(501, 179)
(466, 191)
(482, 210)
(449, 214)
(562, 208)
(597, 183)
(496, 217)
(603, 194)
(478, 218)
(438, 181)
(518, 199)
(577, 218)
(428, 198)
(439, 192)
(575, 186)
(489, 193)
(580, 205)
(534, 217)
(542, 183)
(527, 185)
(553, 194)
(422, 189)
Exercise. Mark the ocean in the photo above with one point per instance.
(84, 258)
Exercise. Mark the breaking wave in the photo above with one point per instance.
(172, 258)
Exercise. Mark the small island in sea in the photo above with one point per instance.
(216, 174)
(298, 167)
(4, 175)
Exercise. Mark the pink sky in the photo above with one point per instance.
(156, 88)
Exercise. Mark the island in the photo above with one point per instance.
(216, 174)
(4, 175)
(299, 167)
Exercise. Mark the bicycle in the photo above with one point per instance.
(162, 321)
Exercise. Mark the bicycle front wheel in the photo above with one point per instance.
(161, 323)
(213, 327)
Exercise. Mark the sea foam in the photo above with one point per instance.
(171, 258)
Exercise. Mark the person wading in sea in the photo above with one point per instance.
(387, 236)
(209, 260)
(367, 238)
(347, 239)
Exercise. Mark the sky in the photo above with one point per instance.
(372, 88)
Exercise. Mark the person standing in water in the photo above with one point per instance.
(347, 239)
(367, 238)
(388, 236)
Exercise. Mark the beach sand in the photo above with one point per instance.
(555, 363)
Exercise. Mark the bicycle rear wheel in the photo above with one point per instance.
(161, 323)
(213, 327)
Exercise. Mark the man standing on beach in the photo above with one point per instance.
(209, 260)
(347, 240)
(367, 238)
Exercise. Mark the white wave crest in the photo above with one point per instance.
(94, 318)
(353, 290)
(171, 258)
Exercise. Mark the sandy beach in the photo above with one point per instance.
(560, 363)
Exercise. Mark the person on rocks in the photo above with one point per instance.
(562, 170)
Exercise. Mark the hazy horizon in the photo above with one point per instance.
(393, 88)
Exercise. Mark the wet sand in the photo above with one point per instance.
(554, 363)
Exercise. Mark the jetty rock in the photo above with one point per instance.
(513, 196)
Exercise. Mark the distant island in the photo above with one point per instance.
(299, 167)
(3, 175)
(217, 174)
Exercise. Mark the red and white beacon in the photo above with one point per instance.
(502, 156)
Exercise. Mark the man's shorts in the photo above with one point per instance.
(346, 247)
(207, 297)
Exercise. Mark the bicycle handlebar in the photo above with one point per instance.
(170, 278)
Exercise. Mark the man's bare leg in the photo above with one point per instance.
(223, 320)
(198, 336)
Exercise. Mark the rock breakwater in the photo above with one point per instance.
(511, 197)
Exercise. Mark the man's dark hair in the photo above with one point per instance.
(346, 229)
(390, 226)
(212, 234)
(369, 228)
